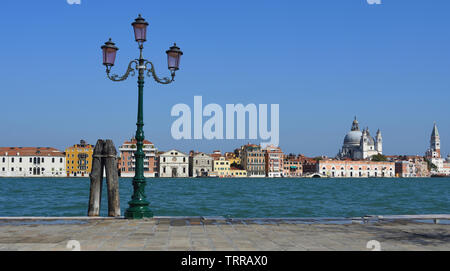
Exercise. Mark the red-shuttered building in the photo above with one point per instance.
(127, 162)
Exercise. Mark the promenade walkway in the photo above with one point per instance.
(217, 233)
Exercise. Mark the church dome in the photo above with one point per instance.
(353, 138)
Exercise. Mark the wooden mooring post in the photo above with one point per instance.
(104, 159)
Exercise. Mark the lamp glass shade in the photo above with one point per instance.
(109, 56)
(173, 57)
(140, 32)
(109, 53)
(140, 29)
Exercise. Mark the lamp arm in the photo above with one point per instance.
(130, 70)
(152, 72)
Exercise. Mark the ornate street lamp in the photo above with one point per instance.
(139, 206)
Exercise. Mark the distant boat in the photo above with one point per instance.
(439, 176)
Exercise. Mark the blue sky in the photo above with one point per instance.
(322, 61)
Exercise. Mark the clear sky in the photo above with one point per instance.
(322, 61)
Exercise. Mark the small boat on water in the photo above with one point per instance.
(439, 176)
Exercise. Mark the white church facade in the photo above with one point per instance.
(360, 145)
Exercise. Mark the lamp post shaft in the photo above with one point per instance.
(139, 206)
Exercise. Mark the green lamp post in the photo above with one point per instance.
(139, 206)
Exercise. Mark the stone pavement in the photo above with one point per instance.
(209, 234)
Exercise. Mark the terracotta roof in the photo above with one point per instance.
(30, 151)
(134, 141)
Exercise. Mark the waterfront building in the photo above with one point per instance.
(355, 169)
(237, 173)
(253, 160)
(411, 166)
(200, 164)
(360, 145)
(32, 162)
(222, 167)
(79, 160)
(433, 154)
(127, 161)
(173, 164)
(309, 165)
(292, 166)
(274, 161)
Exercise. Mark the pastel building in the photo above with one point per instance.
(411, 167)
(356, 169)
(222, 167)
(253, 160)
(173, 164)
(292, 166)
(127, 161)
(237, 173)
(32, 162)
(274, 161)
(79, 160)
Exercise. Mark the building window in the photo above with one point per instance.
(20, 160)
(12, 160)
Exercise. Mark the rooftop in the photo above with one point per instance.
(30, 151)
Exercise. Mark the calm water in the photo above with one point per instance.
(236, 197)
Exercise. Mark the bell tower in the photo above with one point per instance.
(379, 143)
(435, 143)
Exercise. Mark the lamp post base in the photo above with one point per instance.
(138, 205)
(138, 212)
